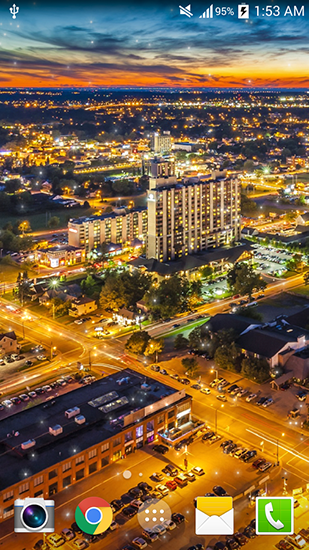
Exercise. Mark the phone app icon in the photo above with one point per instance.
(93, 515)
(274, 515)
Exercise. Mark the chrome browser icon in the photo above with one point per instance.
(93, 515)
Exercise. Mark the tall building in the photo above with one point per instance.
(116, 228)
(160, 143)
(189, 216)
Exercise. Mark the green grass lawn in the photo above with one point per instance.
(9, 272)
(184, 328)
(38, 221)
(301, 290)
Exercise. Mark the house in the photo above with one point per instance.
(67, 293)
(126, 317)
(8, 342)
(298, 363)
(275, 341)
(141, 305)
(82, 306)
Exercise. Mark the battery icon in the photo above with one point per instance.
(243, 11)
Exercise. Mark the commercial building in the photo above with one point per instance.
(58, 256)
(190, 216)
(160, 143)
(116, 228)
(53, 445)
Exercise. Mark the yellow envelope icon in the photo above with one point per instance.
(214, 516)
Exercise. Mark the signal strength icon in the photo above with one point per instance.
(208, 14)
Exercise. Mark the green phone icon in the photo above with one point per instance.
(274, 515)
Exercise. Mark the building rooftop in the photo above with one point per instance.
(109, 405)
(91, 219)
(192, 261)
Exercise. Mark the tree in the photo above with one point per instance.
(23, 284)
(90, 286)
(111, 296)
(138, 342)
(181, 342)
(123, 187)
(24, 227)
(249, 165)
(53, 222)
(154, 347)
(58, 307)
(254, 368)
(296, 263)
(169, 297)
(11, 186)
(243, 280)
(190, 365)
(207, 272)
(227, 357)
(195, 292)
(290, 216)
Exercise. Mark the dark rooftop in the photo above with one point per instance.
(226, 321)
(107, 405)
(192, 261)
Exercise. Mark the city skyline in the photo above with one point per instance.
(129, 46)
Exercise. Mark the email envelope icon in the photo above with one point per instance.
(214, 516)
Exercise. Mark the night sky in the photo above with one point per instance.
(68, 44)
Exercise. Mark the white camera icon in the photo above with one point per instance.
(34, 515)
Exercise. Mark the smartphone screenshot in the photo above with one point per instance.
(154, 275)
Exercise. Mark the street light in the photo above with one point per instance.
(90, 357)
(215, 370)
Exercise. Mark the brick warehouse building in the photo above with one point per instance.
(55, 444)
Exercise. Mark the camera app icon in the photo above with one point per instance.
(34, 515)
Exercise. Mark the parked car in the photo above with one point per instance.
(208, 435)
(150, 536)
(265, 466)
(169, 524)
(221, 397)
(171, 485)
(116, 504)
(261, 401)
(80, 544)
(219, 491)
(257, 463)
(197, 471)
(250, 397)
(24, 397)
(139, 543)
(162, 489)
(190, 477)
(157, 476)
(268, 402)
(155, 368)
(249, 455)
(178, 518)
(241, 539)
(67, 534)
(301, 396)
(240, 453)
(170, 470)
(162, 449)
(55, 540)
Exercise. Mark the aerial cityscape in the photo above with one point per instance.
(154, 278)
